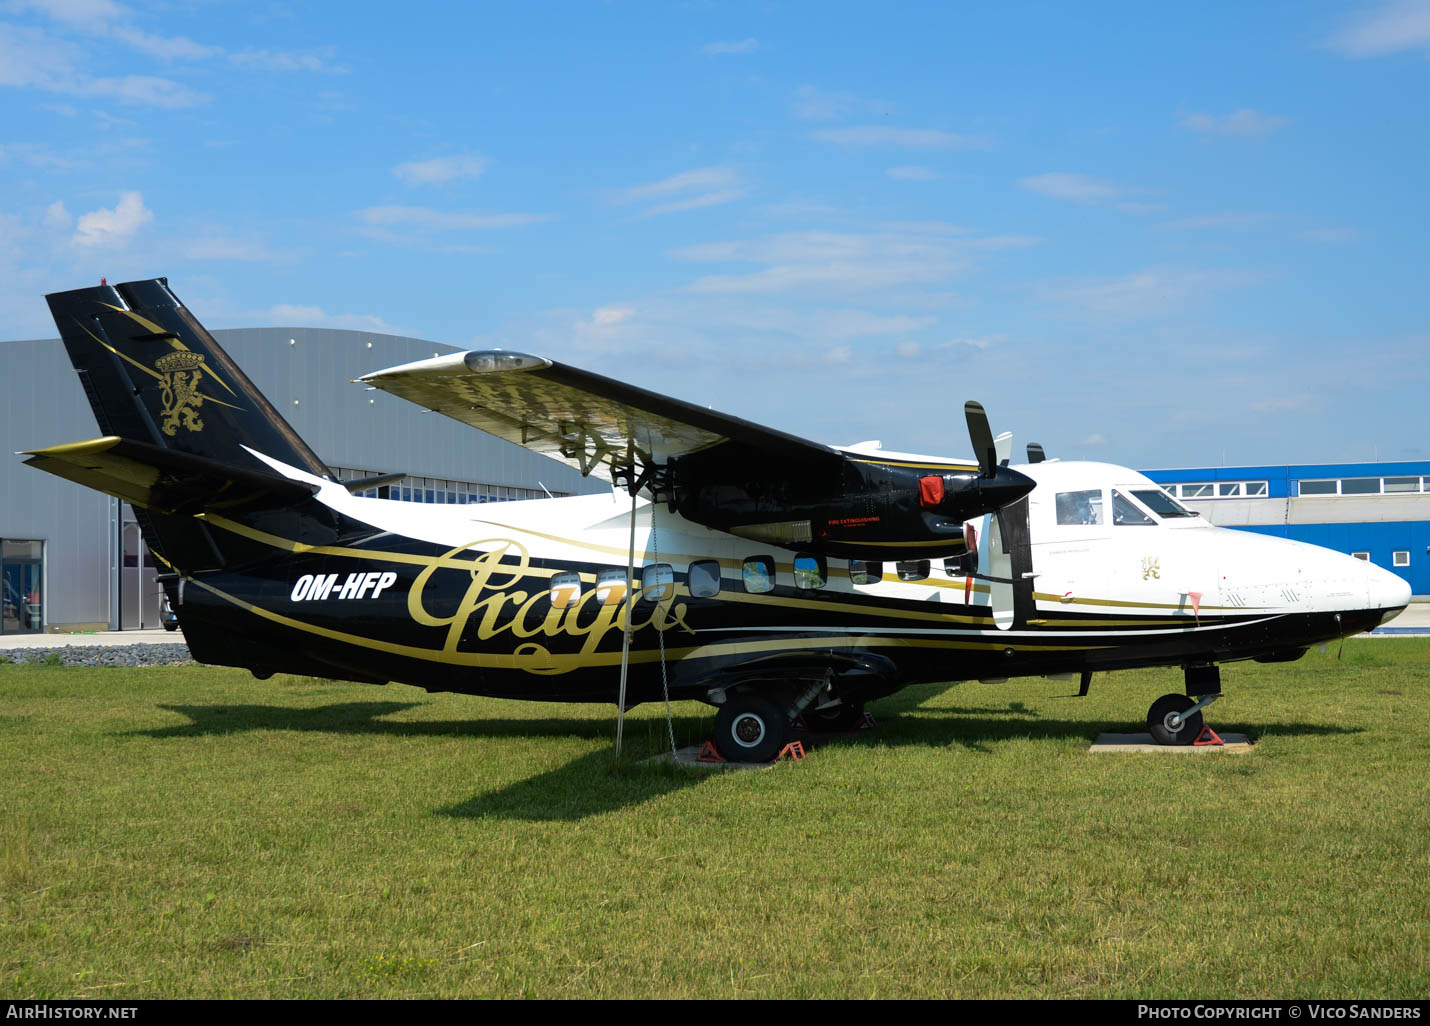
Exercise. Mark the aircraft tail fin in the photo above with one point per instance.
(153, 374)
(179, 419)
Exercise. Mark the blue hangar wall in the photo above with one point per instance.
(1378, 511)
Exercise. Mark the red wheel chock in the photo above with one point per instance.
(866, 722)
(709, 754)
(795, 750)
(1207, 737)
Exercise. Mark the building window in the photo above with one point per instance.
(1228, 489)
(1402, 484)
(1198, 491)
(1360, 486)
(1256, 489)
(1400, 559)
(1319, 487)
(1362, 555)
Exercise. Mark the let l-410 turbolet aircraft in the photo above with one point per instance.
(768, 575)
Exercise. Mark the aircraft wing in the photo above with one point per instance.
(593, 423)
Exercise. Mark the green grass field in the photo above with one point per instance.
(192, 832)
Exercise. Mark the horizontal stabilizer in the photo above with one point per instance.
(165, 480)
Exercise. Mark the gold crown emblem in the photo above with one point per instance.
(180, 361)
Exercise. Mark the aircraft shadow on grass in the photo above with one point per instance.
(590, 785)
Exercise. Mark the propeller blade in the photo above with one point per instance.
(981, 435)
(1035, 453)
(1003, 445)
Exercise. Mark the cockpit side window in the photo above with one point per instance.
(1080, 508)
(1162, 504)
(1125, 512)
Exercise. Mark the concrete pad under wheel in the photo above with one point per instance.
(689, 756)
(1237, 744)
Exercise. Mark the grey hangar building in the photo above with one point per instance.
(72, 559)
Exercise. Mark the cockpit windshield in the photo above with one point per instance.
(1163, 505)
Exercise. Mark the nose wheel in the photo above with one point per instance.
(1177, 719)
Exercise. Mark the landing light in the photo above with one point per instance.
(491, 360)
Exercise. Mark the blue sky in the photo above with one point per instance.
(1159, 237)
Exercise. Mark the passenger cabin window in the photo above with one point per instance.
(611, 587)
(703, 578)
(658, 582)
(864, 571)
(912, 569)
(565, 590)
(758, 573)
(1162, 504)
(1080, 507)
(809, 572)
(1125, 512)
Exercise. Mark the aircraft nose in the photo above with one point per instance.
(1385, 590)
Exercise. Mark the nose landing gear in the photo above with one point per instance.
(1177, 719)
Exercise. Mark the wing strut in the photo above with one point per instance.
(626, 640)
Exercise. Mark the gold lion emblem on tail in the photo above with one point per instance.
(179, 377)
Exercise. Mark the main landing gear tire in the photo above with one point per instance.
(750, 729)
(1169, 710)
(842, 717)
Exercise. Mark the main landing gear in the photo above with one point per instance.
(1177, 719)
(754, 722)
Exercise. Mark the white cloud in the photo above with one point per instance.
(1242, 122)
(32, 59)
(688, 190)
(839, 354)
(57, 217)
(908, 350)
(1145, 293)
(609, 316)
(1092, 442)
(830, 262)
(221, 247)
(913, 173)
(1069, 186)
(910, 138)
(743, 46)
(285, 315)
(811, 104)
(1391, 28)
(113, 227)
(430, 219)
(1229, 220)
(282, 60)
(439, 170)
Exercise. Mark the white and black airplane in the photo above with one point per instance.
(770, 576)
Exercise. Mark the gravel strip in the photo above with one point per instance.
(101, 655)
